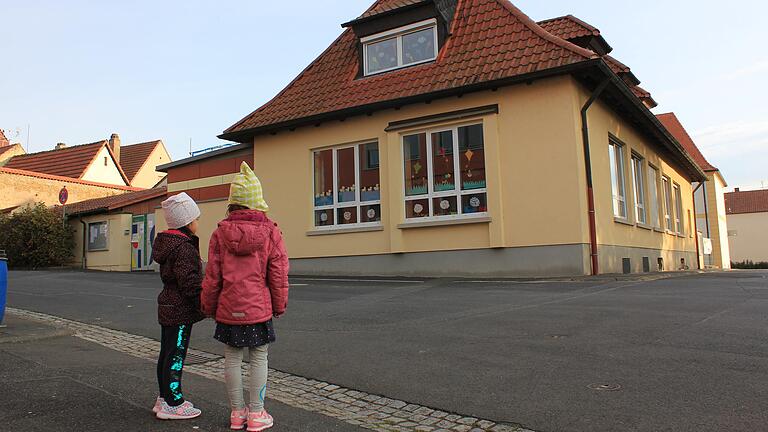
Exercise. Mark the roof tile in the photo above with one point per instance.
(115, 201)
(133, 157)
(673, 125)
(67, 162)
(746, 202)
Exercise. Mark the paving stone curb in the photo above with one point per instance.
(355, 407)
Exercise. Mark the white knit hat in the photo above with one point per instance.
(180, 210)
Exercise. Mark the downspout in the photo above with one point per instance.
(696, 224)
(85, 241)
(588, 166)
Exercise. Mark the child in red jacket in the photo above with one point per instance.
(245, 286)
(178, 305)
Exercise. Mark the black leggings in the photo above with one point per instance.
(173, 350)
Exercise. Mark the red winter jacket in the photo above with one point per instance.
(246, 280)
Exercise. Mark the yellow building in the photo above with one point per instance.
(748, 225)
(462, 138)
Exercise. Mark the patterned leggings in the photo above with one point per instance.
(173, 350)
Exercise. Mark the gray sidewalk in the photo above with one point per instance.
(54, 381)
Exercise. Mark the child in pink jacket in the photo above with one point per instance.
(245, 286)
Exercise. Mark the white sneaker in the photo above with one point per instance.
(184, 411)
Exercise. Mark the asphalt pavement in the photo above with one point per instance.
(677, 354)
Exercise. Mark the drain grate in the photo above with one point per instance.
(604, 387)
(196, 358)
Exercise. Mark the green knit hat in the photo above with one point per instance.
(245, 190)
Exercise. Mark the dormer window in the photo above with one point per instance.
(405, 46)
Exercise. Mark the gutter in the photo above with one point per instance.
(588, 168)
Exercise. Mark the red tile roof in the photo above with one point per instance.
(133, 157)
(66, 162)
(6, 148)
(114, 202)
(568, 27)
(26, 173)
(490, 40)
(673, 125)
(746, 202)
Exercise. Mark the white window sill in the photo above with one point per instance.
(645, 227)
(444, 222)
(658, 230)
(623, 221)
(355, 229)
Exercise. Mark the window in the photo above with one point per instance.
(347, 191)
(98, 236)
(638, 175)
(616, 154)
(678, 209)
(406, 46)
(653, 195)
(445, 173)
(667, 189)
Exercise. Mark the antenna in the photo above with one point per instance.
(190, 146)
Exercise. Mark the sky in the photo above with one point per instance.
(183, 71)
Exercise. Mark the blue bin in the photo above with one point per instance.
(3, 284)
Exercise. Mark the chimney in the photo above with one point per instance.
(737, 190)
(60, 146)
(114, 144)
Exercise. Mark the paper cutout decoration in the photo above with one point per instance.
(417, 167)
(474, 202)
(347, 216)
(323, 217)
(445, 204)
(371, 213)
(418, 208)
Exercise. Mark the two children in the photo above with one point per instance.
(245, 286)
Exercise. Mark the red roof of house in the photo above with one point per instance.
(388, 6)
(134, 156)
(490, 40)
(746, 202)
(27, 173)
(115, 201)
(673, 125)
(66, 162)
(568, 27)
(6, 148)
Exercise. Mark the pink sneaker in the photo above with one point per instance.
(158, 402)
(184, 411)
(238, 419)
(259, 421)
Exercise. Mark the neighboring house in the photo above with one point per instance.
(22, 188)
(139, 161)
(711, 218)
(748, 225)
(8, 150)
(445, 138)
(115, 233)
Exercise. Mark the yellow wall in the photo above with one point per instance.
(118, 255)
(19, 190)
(147, 177)
(211, 213)
(16, 150)
(98, 172)
(721, 254)
(602, 123)
(748, 237)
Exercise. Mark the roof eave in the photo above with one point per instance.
(245, 136)
(165, 167)
(358, 20)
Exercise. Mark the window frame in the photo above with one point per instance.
(106, 240)
(398, 34)
(357, 203)
(617, 164)
(677, 195)
(656, 217)
(456, 192)
(639, 181)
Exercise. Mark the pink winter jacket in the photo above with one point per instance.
(246, 280)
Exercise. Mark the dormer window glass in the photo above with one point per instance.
(405, 46)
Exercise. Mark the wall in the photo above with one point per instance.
(101, 173)
(748, 239)
(14, 150)
(147, 177)
(118, 256)
(631, 239)
(718, 220)
(533, 190)
(211, 213)
(21, 190)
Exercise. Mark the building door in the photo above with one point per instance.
(138, 243)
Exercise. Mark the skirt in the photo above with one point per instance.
(245, 336)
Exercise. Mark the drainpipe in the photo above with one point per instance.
(588, 165)
(696, 223)
(85, 241)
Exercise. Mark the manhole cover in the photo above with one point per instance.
(604, 387)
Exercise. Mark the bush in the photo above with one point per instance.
(749, 265)
(35, 237)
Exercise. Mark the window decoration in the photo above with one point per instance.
(667, 189)
(347, 190)
(405, 46)
(449, 183)
(616, 154)
(678, 209)
(653, 194)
